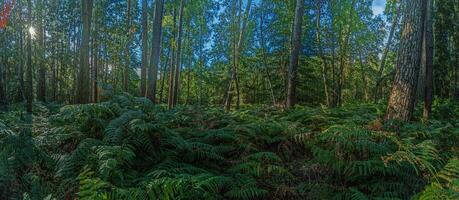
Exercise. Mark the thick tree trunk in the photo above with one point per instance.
(403, 95)
(155, 51)
(143, 71)
(428, 60)
(83, 92)
(294, 55)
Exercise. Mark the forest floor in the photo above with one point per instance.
(128, 148)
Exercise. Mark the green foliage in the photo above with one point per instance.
(127, 148)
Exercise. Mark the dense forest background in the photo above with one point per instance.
(346, 55)
(229, 99)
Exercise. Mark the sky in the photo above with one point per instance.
(379, 6)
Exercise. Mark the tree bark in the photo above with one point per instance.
(294, 55)
(41, 89)
(178, 59)
(29, 90)
(163, 77)
(83, 93)
(127, 65)
(173, 61)
(427, 56)
(155, 51)
(403, 94)
(95, 72)
(143, 71)
(21, 96)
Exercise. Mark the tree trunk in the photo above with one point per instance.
(178, 58)
(264, 58)
(321, 52)
(163, 77)
(428, 60)
(173, 61)
(155, 51)
(3, 92)
(95, 72)
(128, 48)
(143, 71)
(21, 96)
(403, 95)
(83, 93)
(29, 90)
(363, 77)
(395, 20)
(41, 89)
(294, 55)
(237, 49)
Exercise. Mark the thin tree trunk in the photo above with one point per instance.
(143, 72)
(163, 78)
(294, 57)
(428, 59)
(95, 87)
(229, 92)
(382, 65)
(155, 51)
(363, 77)
(41, 92)
(173, 61)
(175, 91)
(403, 95)
(321, 54)
(21, 96)
(237, 49)
(128, 49)
(29, 90)
(264, 58)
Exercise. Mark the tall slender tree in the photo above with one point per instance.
(294, 54)
(41, 86)
(178, 59)
(83, 86)
(321, 51)
(29, 84)
(130, 29)
(155, 50)
(427, 59)
(237, 49)
(382, 65)
(143, 71)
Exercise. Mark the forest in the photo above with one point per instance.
(229, 99)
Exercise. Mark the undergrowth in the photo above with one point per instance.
(128, 148)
